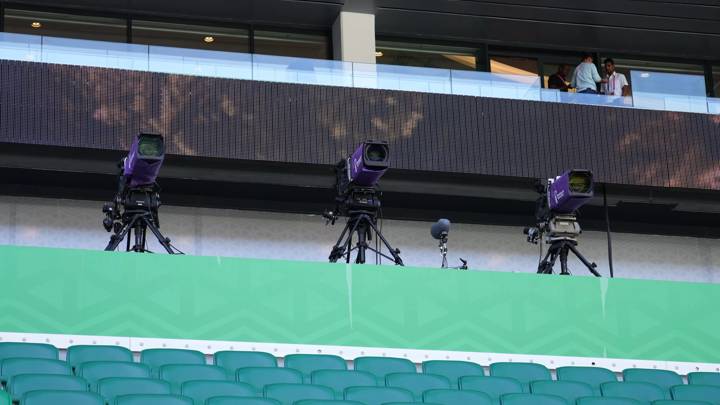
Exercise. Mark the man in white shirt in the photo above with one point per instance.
(586, 77)
(617, 84)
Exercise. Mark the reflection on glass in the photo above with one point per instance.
(190, 36)
(625, 66)
(316, 46)
(514, 65)
(65, 25)
(425, 55)
(716, 81)
(669, 91)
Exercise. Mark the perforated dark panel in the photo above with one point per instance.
(103, 108)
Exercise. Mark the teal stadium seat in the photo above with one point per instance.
(228, 400)
(452, 370)
(232, 360)
(704, 378)
(28, 350)
(259, 377)
(156, 358)
(326, 402)
(382, 366)
(24, 383)
(76, 355)
(525, 373)
(593, 376)
(567, 390)
(455, 397)
(152, 399)
(288, 394)
(15, 366)
(177, 374)
(607, 401)
(117, 386)
(200, 390)
(93, 371)
(640, 391)
(409, 403)
(50, 397)
(417, 383)
(680, 402)
(494, 387)
(378, 395)
(707, 393)
(307, 363)
(5, 398)
(532, 399)
(664, 379)
(339, 380)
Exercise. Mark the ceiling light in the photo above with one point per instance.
(208, 39)
(36, 24)
(378, 54)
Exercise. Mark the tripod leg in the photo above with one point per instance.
(590, 266)
(546, 266)
(362, 232)
(115, 239)
(341, 248)
(165, 242)
(394, 252)
(563, 261)
(139, 230)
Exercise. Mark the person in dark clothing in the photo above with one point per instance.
(559, 79)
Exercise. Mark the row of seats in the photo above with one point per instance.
(93, 365)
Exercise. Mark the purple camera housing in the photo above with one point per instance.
(363, 171)
(141, 170)
(562, 199)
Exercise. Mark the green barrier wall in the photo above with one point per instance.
(212, 298)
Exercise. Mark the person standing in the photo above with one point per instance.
(558, 80)
(617, 84)
(586, 77)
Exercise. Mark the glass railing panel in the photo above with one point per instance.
(406, 78)
(713, 105)
(199, 62)
(301, 70)
(595, 99)
(484, 84)
(669, 91)
(20, 47)
(670, 102)
(550, 95)
(81, 52)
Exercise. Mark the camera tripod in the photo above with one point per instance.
(361, 222)
(561, 248)
(137, 226)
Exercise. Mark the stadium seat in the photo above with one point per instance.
(228, 400)
(680, 402)
(532, 399)
(455, 397)
(567, 390)
(707, 393)
(23, 383)
(288, 394)
(177, 374)
(200, 390)
(51, 397)
(704, 378)
(307, 363)
(156, 358)
(664, 379)
(79, 354)
(338, 380)
(326, 402)
(494, 387)
(231, 360)
(525, 373)
(378, 395)
(417, 383)
(152, 399)
(641, 391)
(5, 398)
(452, 370)
(28, 350)
(117, 386)
(607, 401)
(593, 376)
(93, 371)
(14, 366)
(382, 366)
(259, 377)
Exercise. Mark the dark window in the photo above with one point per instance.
(716, 81)
(316, 46)
(514, 65)
(190, 36)
(426, 55)
(65, 25)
